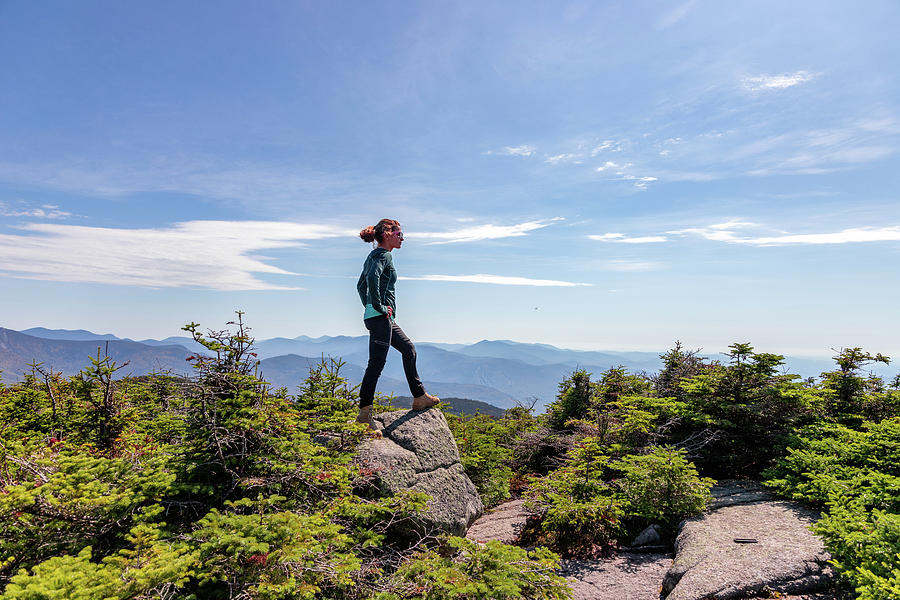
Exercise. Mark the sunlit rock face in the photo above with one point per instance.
(418, 452)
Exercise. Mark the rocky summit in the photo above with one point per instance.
(418, 452)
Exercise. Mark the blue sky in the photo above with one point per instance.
(591, 175)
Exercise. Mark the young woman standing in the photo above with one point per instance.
(376, 291)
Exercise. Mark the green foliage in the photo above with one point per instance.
(486, 448)
(218, 487)
(466, 570)
(573, 399)
(212, 487)
(272, 553)
(60, 501)
(830, 460)
(151, 567)
(583, 507)
(739, 415)
(855, 475)
(849, 393)
(661, 487)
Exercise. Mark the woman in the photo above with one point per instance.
(376, 291)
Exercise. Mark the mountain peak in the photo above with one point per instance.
(67, 334)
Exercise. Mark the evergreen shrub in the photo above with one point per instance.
(854, 475)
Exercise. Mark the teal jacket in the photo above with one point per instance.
(376, 282)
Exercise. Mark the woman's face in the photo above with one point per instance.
(394, 239)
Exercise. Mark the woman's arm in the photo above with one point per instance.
(361, 287)
(373, 281)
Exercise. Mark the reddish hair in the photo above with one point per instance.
(376, 232)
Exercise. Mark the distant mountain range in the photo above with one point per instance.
(498, 372)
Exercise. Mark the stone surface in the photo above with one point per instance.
(503, 523)
(648, 537)
(625, 576)
(729, 492)
(418, 452)
(709, 564)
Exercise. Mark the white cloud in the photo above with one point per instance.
(610, 145)
(562, 158)
(523, 150)
(639, 182)
(733, 224)
(45, 211)
(845, 236)
(607, 165)
(483, 232)
(623, 239)
(196, 254)
(630, 266)
(724, 232)
(777, 82)
(717, 232)
(497, 280)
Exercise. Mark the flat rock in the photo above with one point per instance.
(418, 452)
(504, 523)
(625, 576)
(729, 492)
(786, 558)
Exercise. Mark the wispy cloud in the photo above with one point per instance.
(630, 266)
(606, 145)
(639, 182)
(568, 157)
(675, 15)
(215, 255)
(523, 150)
(728, 232)
(622, 174)
(199, 176)
(842, 147)
(479, 233)
(776, 82)
(45, 211)
(623, 239)
(497, 280)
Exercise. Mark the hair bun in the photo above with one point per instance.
(367, 234)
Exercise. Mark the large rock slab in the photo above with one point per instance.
(418, 452)
(625, 576)
(503, 523)
(786, 557)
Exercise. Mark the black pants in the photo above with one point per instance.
(384, 333)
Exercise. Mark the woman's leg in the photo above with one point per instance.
(402, 343)
(379, 344)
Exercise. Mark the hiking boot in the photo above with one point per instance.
(424, 401)
(365, 416)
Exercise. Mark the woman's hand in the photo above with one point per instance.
(390, 312)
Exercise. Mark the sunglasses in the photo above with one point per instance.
(399, 235)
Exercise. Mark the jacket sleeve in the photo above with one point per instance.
(373, 281)
(361, 287)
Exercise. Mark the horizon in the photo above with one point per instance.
(701, 351)
(579, 175)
